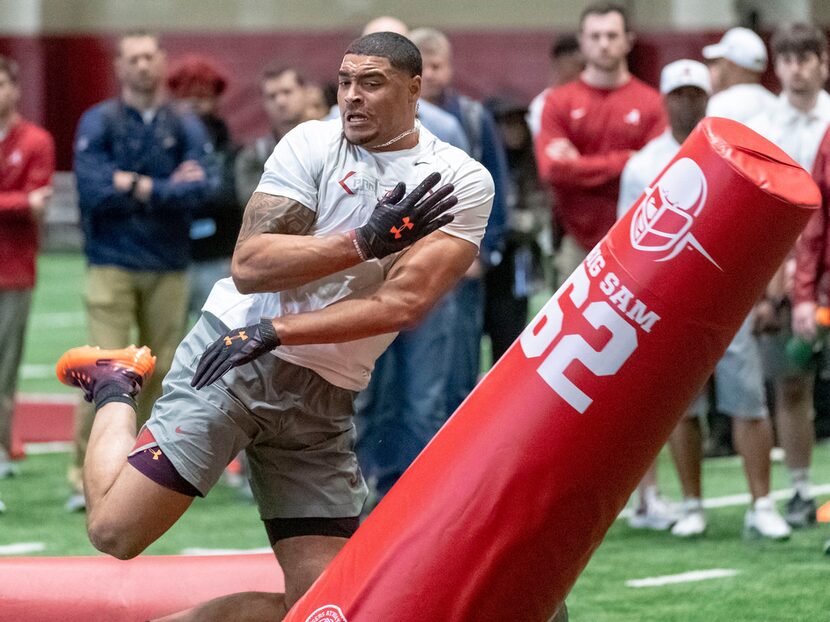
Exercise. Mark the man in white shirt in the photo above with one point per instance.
(797, 124)
(738, 379)
(332, 260)
(736, 64)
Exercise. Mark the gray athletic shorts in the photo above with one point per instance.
(296, 428)
(777, 365)
(739, 380)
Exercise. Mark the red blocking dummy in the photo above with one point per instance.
(498, 516)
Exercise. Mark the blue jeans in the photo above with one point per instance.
(466, 342)
(405, 403)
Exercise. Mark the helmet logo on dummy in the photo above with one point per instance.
(663, 221)
(327, 613)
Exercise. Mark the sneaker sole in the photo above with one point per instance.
(137, 360)
(801, 521)
(753, 535)
(650, 525)
(689, 536)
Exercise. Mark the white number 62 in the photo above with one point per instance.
(547, 325)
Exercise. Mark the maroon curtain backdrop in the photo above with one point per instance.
(62, 75)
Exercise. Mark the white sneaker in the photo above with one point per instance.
(75, 503)
(2, 507)
(692, 522)
(7, 469)
(658, 513)
(762, 520)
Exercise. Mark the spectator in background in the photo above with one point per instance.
(510, 283)
(406, 401)
(316, 106)
(284, 99)
(739, 387)
(28, 156)
(142, 170)
(796, 122)
(445, 126)
(197, 85)
(736, 64)
(566, 63)
(590, 127)
(486, 147)
(812, 267)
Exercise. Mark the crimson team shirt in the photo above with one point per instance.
(606, 126)
(812, 261)
(27, 162)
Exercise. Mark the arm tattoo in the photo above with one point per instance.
(266, 213)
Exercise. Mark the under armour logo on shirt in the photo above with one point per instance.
(633, 117)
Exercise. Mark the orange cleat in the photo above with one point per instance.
(87, 367)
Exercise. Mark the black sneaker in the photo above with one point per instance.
(800, 512)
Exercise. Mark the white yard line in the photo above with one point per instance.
(33, 371)
(744, 498)
(21, 548)
(59, 319)
(683, 577)
(200, 551)
(53, 447)
(47, 398)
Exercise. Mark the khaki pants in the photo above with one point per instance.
(14, 312)
(124, 307)
(567, 258)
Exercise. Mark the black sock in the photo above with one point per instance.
(112, 392)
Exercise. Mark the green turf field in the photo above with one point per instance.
(774, 581)
(57, 321)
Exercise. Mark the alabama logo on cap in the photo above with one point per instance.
(327, 613)
(663, 221)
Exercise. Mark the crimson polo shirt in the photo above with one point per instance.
(606, 126)
(27, 162)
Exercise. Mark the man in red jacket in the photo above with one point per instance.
(27, 162)
(590, 127)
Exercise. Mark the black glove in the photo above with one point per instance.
(399, 222)
(234, 348)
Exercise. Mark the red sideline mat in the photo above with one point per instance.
(84, 589)
(42, 419)
(498, 516)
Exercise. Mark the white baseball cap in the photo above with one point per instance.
(685, 73)
(742, 46)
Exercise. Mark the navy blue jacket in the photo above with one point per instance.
(486, 147)
(120, 230)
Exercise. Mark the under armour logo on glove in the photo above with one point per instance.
(229, 340)
(406, 225)
(235, 348)
(407, 219)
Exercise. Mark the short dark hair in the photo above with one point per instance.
(10, 68)
(799, 39)
(604, 8)
(137, 33)
(400, 51)
(277, 71)
(564, 45)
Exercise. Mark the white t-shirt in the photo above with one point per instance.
(643, 167)
(740, 102)
(315, 165)
(797, 133)
(533, 118)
